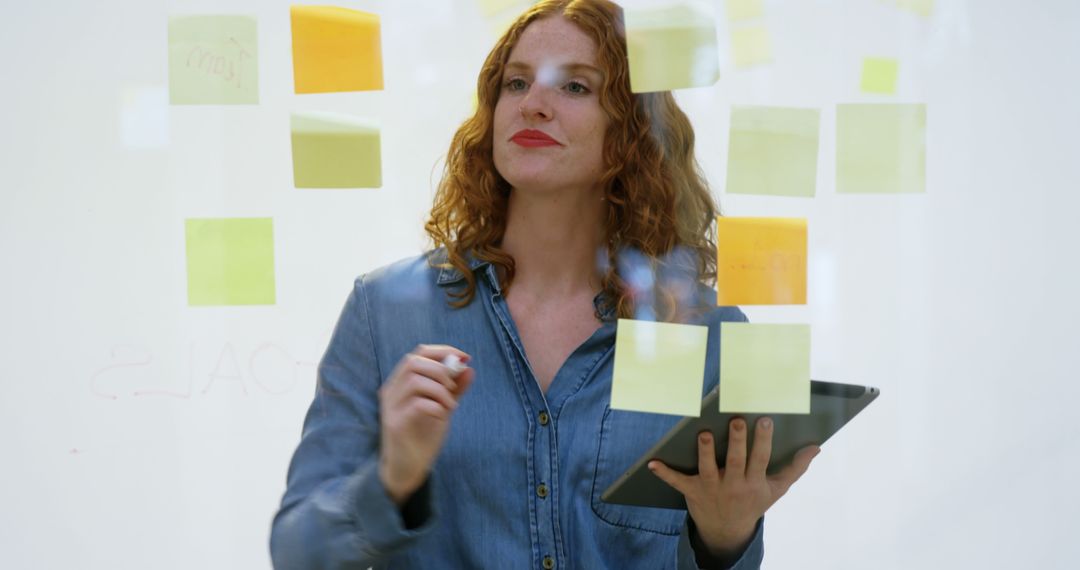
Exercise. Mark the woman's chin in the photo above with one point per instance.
(533, 181)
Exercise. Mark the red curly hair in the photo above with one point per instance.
(658, 202)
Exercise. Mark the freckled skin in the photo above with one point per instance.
(542, 92)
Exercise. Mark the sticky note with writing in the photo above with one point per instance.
(671, 48)
(773, 150)
(230, 261)
(761, 261)
(659, 367)
(335, 49)
(213, 60)
(764, 368)
(881, 148)
(331, 150)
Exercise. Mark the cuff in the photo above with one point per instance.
(384, 526)
(751, 556)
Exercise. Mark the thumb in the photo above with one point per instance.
(464, 380)
(790, 474)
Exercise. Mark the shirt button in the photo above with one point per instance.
(543, 418)
(549, 563)
(541, 490)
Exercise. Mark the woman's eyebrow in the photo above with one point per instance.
(583, 67)
(569, 68)
(517, 66)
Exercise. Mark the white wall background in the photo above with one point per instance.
(961, 304)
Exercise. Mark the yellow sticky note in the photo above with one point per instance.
(773, 151)
(921, 7)
(751, 46)
(671, 48)
(335, 49)
(659, 367)
(213, 60)
(879, 75)
(738, 10)
(880, 148)
(764, 368)
(761, 261)
(330, 150)
(230, 261)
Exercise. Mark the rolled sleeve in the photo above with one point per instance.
(750, 559)
(335, 512)
(386, 527)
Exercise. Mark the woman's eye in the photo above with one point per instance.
(577, 88)
(516, 84)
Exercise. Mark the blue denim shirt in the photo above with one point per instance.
(481, 506)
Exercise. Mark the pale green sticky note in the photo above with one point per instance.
(880, 148)
(659, 367)
(330, 150)
(879, 75)
(773, 151)
(764, 368)
(751, 46)
(213, 60)
(671, 48)
(492, 7)
(921, 7)
(230, 261)
(738, 10)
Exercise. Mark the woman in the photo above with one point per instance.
(406, 462)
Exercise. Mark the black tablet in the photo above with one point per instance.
(831, 406)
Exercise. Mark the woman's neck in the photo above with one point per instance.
(554, 238)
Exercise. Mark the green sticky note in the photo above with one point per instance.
(921, 7)
(764, 368)
(213, 60)
(773, 151)
(330, 150)
(492, 7)
(659, 367)
(738, 10)
(230, 261)
(879, 75)
(880, 148)
(751, 46)
(671, 48)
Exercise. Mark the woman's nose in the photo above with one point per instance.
(535, 104)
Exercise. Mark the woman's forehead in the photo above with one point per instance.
(553, 41)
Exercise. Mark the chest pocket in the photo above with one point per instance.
(624, 436)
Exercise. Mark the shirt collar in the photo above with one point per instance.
(449, 275)
(606, 314)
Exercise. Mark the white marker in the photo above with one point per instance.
(454, 363)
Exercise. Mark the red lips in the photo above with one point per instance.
(533, 138)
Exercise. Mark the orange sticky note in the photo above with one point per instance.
(761, 261)
(335, 49)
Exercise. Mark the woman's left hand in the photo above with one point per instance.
(727, 502)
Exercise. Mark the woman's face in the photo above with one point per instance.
(549, 126)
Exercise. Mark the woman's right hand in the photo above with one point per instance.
(415, 404)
